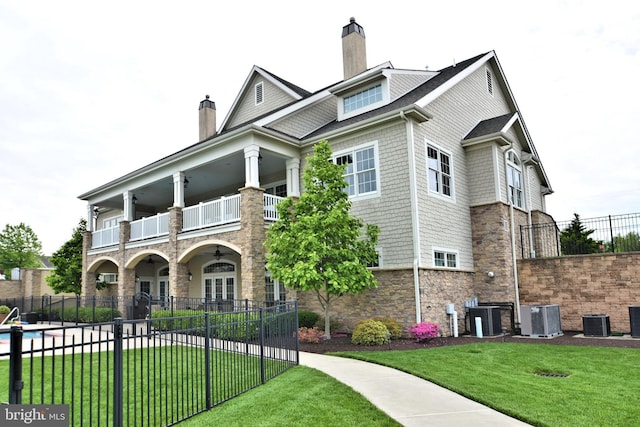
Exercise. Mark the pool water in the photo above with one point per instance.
(25, 335)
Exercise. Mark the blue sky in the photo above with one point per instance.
(90, 91)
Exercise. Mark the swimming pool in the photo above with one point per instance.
(25, 335)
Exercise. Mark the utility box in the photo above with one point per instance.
(540, 321)
(596, 325)
(491, 320)
(634, 318)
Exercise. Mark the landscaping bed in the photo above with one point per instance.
(342, 342)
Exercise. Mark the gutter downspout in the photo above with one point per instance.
(414, 216)
(513, 240)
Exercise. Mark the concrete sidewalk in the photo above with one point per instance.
(408, 399)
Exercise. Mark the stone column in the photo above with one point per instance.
(252, 243)
(88, 279)
(178, 273)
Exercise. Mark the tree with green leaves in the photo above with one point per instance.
(316, 245)
(627, 243)
(67, 274)
(575, 239)
(19, 247)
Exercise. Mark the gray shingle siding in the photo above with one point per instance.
(246, 110)
(307, 120)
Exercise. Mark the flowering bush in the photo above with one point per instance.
(310, 335)
(424, 331)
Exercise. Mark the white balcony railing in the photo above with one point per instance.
(270, 203)
(105, 237)
(216, 212)
(153, 226)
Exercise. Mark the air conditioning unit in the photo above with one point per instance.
(634, 317)
(540, 321)
(491, 320)
(596, 325)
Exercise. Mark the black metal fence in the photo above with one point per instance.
(96, 309)
(153, 372)
(607, 234)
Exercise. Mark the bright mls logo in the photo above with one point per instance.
(34, 415)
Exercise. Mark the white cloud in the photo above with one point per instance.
(83, 83)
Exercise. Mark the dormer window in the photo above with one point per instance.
(363, 98)
(259, 90)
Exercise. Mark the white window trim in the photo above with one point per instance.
(274, 185)
(437, 194)
(255, 93)
(446, 251)
(117, 218)
(512, 165)
(211, 276)
(386, 96)
(376, 156)
(379, 252)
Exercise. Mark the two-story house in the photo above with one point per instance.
(440, 160)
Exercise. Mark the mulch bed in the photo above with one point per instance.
(342, 342)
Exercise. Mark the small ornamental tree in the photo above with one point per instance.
(316, 245)
(575, 239)
(19, 247)
(67, 275)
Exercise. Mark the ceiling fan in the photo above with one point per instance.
(217, 254)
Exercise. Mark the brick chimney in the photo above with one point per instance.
(207, 113)
(354, 49)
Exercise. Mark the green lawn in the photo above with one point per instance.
(300, 397)
(602, 387)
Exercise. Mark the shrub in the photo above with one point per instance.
(424, 331)
(80, 314)
(394, 328)
(370, 332)
(310, 335)
(4, 309)
(307, 319)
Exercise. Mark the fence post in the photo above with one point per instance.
(262, 367)
(613, 245)
(77, 308)
(207, 360)
(297, 328)
(117, 372)
(15, 366)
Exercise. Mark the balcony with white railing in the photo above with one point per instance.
(270, 203)
(153, 226)
(105, 237)
(221, 211)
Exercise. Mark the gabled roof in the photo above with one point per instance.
(498, 124)
(294, 91)
(412, 97)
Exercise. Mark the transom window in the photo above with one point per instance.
(360, 170)
(439, 174)
(445, 258)
(362, 98)
(514, 179)
(219, 267)
(259, 90)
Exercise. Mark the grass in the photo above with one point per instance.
(601, 388)
(160, 385)
(302, 397)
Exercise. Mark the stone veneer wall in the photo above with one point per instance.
(394, 298)
(583, 284)
(11, 289)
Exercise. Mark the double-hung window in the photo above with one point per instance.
(439, 173)
(360, 170)
(514, 179)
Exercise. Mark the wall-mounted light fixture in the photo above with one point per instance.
(137, 278)
(491, 274)
(95, 212)
(134, 200)
(190, 276)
